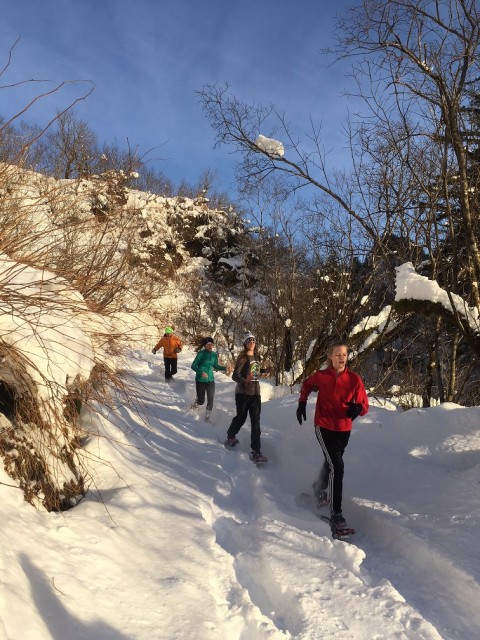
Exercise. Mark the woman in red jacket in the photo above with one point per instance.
(341, 397)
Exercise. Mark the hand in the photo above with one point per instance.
(154, 351)
(204, 375)
(354, 410)
(302, 412)
(249, 377)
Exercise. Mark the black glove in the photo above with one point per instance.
(154, 351)
(354, 410)
(301, 412)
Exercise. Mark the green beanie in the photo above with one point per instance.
(168, 330)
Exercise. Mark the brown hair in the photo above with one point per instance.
(242, 356)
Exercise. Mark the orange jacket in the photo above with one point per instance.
(169, 344)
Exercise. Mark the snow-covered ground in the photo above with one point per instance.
(181, 538)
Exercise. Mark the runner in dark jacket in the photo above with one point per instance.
(246, 373)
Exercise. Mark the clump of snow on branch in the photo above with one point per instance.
(412, 286)
(270, 146)
(372, 322)
(374, 326)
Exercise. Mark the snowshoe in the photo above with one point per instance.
(258, 457)
(311, 501)
(338, 521)
(339, 528)
(322, 499)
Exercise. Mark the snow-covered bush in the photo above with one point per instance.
(47, 353)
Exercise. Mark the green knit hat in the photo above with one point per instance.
(168, 330)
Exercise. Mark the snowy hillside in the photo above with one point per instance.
(60, 221)
(180, 538)
(89, 268)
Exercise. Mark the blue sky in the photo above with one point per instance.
(148, 58)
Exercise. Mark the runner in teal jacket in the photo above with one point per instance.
(204, 365)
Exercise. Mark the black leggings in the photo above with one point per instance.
(247, 405)
(170, 367)
(209, 389)
(333, 445)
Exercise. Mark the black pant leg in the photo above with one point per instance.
(170, 367)
(255, 407)
(241, 402)
(200, 388)
(333, 444)
(323, 476)
(210, 387)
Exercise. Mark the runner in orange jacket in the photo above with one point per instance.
(171, 345)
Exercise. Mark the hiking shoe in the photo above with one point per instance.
(208, 413)
(338, 521)
(194, 405)
(257, 456)
(232, 442)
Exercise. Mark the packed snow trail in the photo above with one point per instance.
(282, 562)
(181, 539)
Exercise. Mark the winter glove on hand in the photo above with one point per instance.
(154, 351)
(354, 410)
(302, 412)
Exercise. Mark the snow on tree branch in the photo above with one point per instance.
(270, 146)
(373, 327)
(412, 286)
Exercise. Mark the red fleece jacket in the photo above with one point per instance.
(334, 391)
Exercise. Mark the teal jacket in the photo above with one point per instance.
(205, 362)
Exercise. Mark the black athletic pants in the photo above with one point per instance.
(170, 367)
(333, 445)
(203, 388)
(247, 405)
